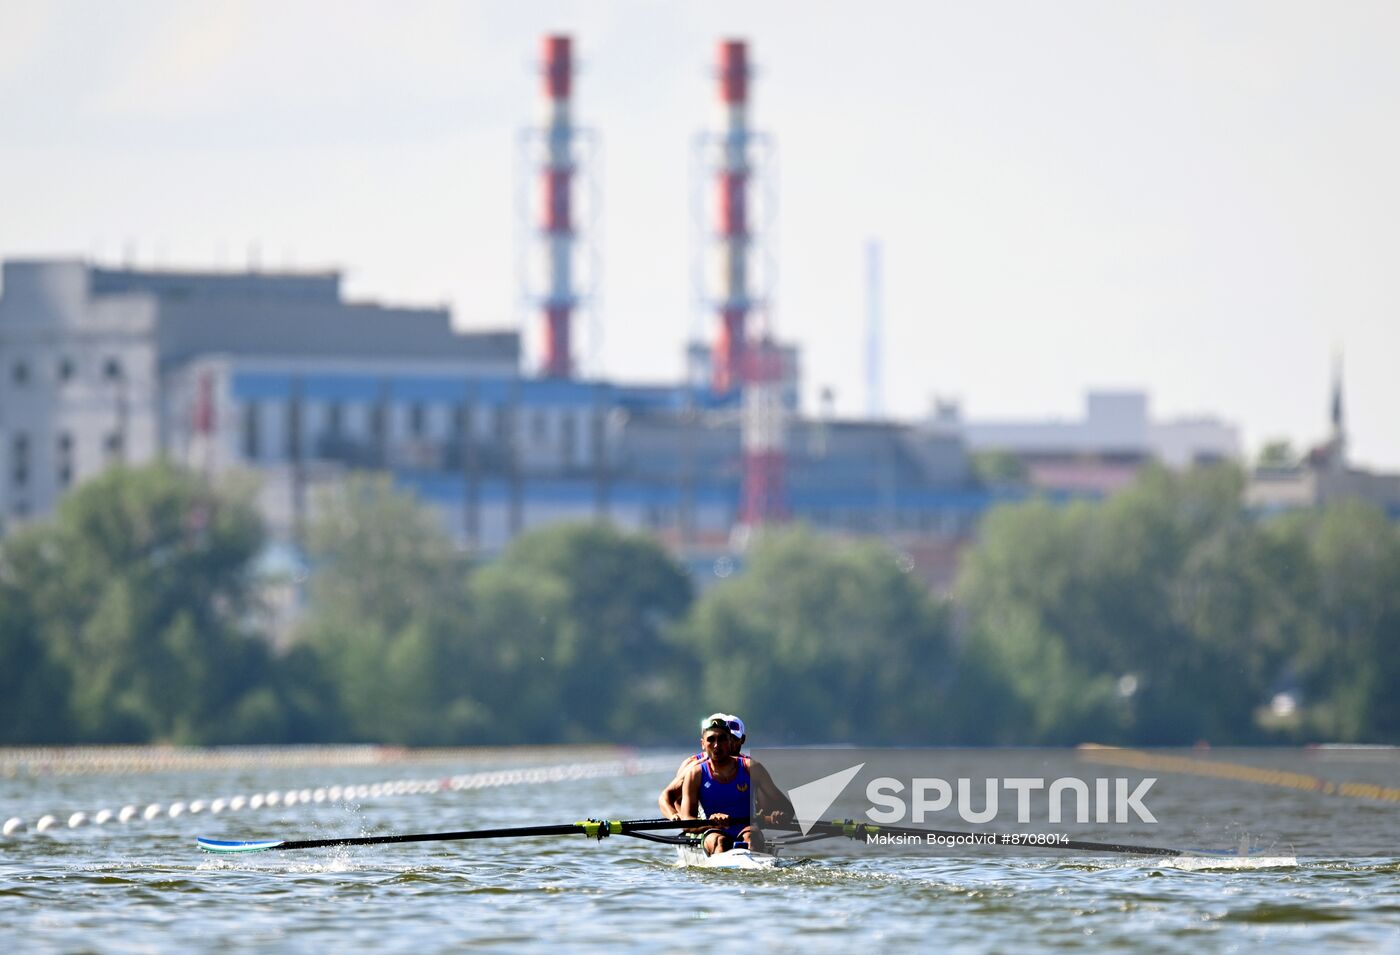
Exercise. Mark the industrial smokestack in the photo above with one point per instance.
(556, 227)
(732, 179)
(757, 365)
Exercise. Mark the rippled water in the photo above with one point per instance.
(142, 886)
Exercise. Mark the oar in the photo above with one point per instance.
(594, 828)
(858, 830)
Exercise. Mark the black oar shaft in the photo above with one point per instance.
(431, 837)
(596, 828)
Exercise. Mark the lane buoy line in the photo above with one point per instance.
(524, 776)
(43, 761)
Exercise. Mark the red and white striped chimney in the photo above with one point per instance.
(557, 228)
(732, 180)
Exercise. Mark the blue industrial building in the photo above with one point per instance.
(278, 374)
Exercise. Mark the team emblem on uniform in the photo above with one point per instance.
(743, 787)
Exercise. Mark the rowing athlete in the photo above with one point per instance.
(725, 786)
(670, 798)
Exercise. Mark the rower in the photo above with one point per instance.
(725, 786)
(670, 799)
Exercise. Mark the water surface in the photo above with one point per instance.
(142, 886)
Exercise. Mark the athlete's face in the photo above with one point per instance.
(717, 742)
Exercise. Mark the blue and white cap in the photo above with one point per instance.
(729, 721)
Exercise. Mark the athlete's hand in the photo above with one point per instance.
(717, 817)
(776, 818)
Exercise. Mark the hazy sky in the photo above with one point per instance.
(1196, 199)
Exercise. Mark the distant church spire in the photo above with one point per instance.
(1339, 434)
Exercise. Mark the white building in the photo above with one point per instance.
(95, 363)
(1103, 450)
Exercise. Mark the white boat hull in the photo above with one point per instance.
(694, 857)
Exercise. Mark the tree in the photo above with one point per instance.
(1278, 453)
(139, 589)
(1152, 616)
(824, 640)
(999, 467)
(587, 610)
(1348, 657)
(517, 675)
(1021, 591)
(387, 619)
(34, 687)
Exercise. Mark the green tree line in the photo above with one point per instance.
(1166, 614)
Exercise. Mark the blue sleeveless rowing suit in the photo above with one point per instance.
(731, 798)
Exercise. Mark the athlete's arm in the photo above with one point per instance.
(690, 793)
(670, 799)
(773, 804)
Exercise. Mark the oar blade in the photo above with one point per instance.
(226, 846)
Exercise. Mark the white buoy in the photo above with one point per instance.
(176, 808)
(126, 814)
(13, 825)
(102, 817)
(196, 806)
(153, 810)
(319, 795)
(304, 795)
(237, 803)
(45, 823)
(333, 794)
(272, 799)
(77, 819)
(255, 801)
(217, 805)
